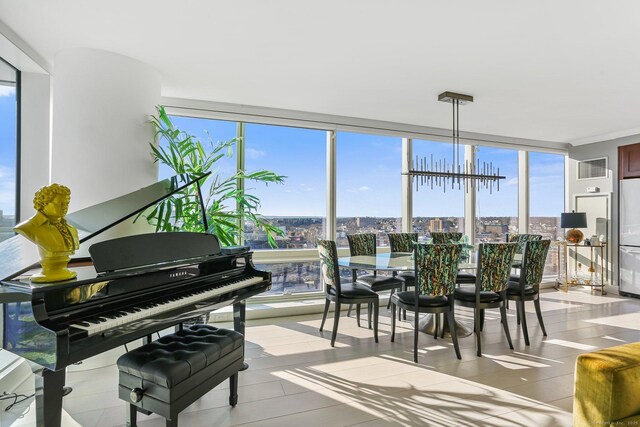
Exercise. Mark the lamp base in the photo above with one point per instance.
(574, 236)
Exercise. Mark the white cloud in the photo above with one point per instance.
(364, 188)
(7, 91)
(253, 154)
(511, 182)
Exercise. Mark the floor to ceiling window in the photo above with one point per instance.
(368, 186)
(368, 192)
(297, 206)
(546, 200)
(437, 208)
(8, 149)
(497, 210)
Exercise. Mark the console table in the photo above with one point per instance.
(595, 270)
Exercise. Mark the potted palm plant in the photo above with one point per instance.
(226, 204)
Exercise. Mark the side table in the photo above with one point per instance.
(594, 280)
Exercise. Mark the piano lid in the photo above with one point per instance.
(18, 254)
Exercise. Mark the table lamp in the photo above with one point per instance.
(573, 220)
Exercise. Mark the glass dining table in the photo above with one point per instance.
(403, 261)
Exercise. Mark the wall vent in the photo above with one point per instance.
(593, 168)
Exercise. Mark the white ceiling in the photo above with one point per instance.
(562, 71)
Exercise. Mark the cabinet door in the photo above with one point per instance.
(629, 161)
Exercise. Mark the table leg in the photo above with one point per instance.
(428, 325)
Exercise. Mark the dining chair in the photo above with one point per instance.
(526, 286)
(521, 240)
(342, 293)
(490, 290)
(435, 271)
(440, 238)
(365, 244)
(403, 242)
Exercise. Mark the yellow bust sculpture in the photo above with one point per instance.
(48, 229)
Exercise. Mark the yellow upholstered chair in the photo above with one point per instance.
(607, 386)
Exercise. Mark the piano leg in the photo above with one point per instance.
(49, 392)
(239, 313)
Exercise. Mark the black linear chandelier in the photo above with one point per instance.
(439, 173)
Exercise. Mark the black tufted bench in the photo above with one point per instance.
(169, 374)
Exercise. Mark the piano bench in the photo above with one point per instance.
(169, 374)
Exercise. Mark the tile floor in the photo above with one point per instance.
(297, 379)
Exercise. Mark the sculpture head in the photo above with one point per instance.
(52, 201)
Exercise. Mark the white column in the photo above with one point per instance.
(35, 114)
(407, 193)
(470, 198)
(331, 186)
(100, 135)
(523, 192)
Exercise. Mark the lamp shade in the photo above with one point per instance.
(573, 220)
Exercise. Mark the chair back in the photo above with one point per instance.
(533, 261)
(444, 238)
(436, 268)
(402, 242)
(522, 239)
(362, 244)
(329, 264)
(494, 266)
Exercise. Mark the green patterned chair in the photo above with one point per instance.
(443, 238)
(526, 286)
(403, 242)
(435, 269)
(490, 290)
(521, 240)
(365, 244)
(342, 293)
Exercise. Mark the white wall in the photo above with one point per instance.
(100, 134)
(607, 149)
(34, 138)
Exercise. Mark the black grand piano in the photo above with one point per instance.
(128, 288)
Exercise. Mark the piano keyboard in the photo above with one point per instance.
(114, 319)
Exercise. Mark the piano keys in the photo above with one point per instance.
(127, 289)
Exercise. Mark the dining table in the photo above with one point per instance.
(404, 261)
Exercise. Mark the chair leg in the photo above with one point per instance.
(505, 325)
(369, 312)
(393, 322)
(335, 325)
(357, 314)
(375, 320)
(349, 311)
(324, 316)
(454, 333)
(436, 325)
(131, 416)
(415, 336)
(444, 322)
(477, 330)
(536, 304)
(389, 302)
(518, 312)
(523, 317)
(507, 304)
(481, 319)
(233, 390)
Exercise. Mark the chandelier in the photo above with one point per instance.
(440, 173)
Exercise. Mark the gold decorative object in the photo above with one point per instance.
(48, 229)
(574, 236)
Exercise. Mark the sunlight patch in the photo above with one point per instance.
(628, 321)
(571, 344)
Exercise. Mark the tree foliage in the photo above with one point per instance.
(187, 156)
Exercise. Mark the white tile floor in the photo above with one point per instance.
(297, 379)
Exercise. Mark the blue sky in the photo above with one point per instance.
(368, 173)
(7, 150)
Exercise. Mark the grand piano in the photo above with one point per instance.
(126, 289)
